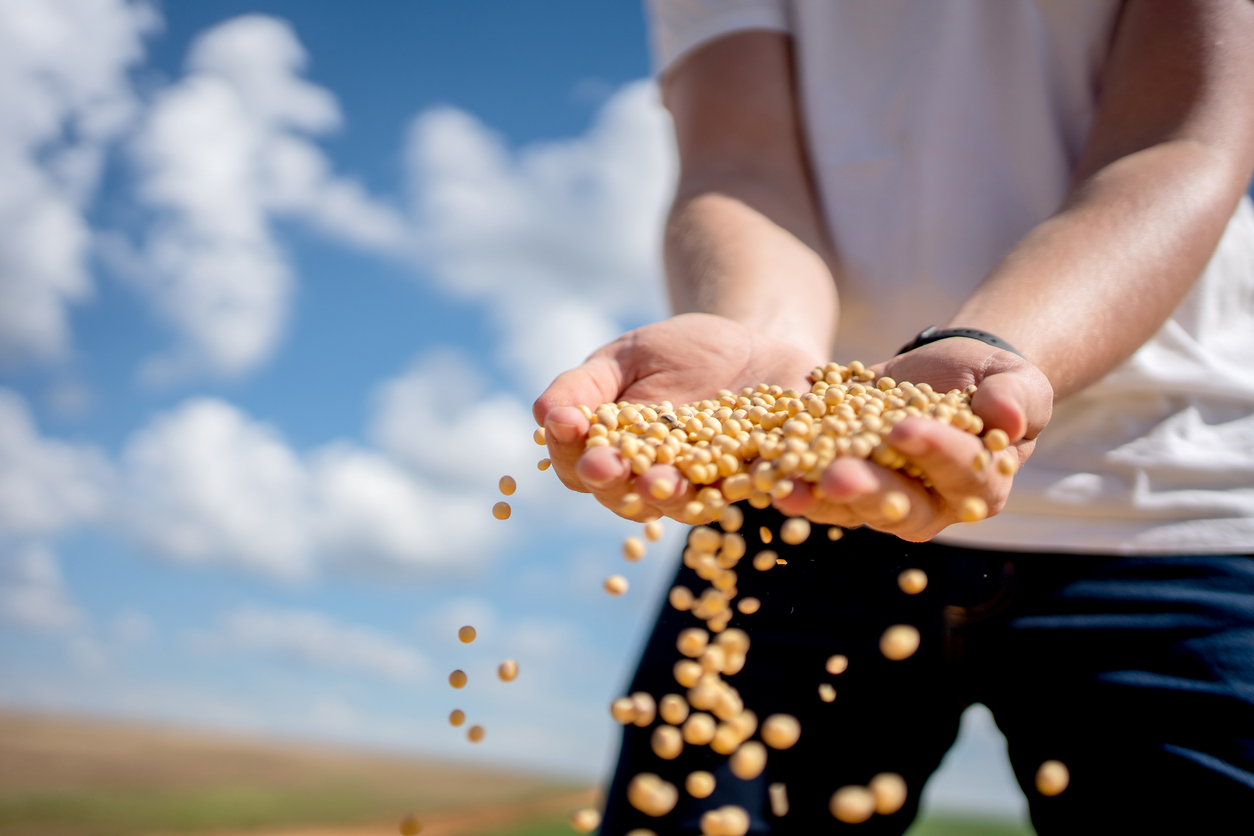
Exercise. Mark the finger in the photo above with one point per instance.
(1018, 403)
(565, 430)
(602, 471)
(864, 486)
(847, 479)
(803, 501)
(597, 381)
(664, 488)
(947, 455)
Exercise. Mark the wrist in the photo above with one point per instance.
(932, 334)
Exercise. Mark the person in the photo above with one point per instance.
(1064, 177)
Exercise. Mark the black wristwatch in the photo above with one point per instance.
(931, 334)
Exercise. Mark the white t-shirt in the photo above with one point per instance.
(940, 134)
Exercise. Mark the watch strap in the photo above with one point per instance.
(931, 334)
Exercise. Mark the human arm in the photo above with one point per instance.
(746, 257)
(1170, 153)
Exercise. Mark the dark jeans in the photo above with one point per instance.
(1137, 673)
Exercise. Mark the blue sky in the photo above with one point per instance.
(148, 571)
(251, 422)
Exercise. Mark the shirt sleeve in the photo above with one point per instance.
(677, 27)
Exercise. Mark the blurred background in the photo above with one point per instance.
(278, 283)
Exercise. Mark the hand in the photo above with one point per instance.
(682, 359)
(1013, 396)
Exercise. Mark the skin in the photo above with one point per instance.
(753, 277)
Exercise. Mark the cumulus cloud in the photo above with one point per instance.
(560, 240)
(205, 484)
(33, 594)
(221, 154)
(65, 95)
(317, 640)
(46, 485)
(439, 417)
(370, 514)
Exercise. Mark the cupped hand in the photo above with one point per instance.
(683, 359)
(1013, 395)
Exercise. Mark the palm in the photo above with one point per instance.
(689, 357)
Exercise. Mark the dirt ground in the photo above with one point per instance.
(55, 762)
(448, 823)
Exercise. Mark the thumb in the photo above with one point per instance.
(1018, 402)
(597, 381)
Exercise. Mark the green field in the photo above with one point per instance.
(73, 777)
(931, 826)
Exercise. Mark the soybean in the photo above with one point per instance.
(765, 560)
(749, 606)
(674, 709)
(748, 761)
(633, 548)
(972, 509)
(653, 531)
(585, 820)
(699, 784)
(779, 799)
(1052, 777)
(889, 791)
(899, 642)
(895, 507)
(912, 581)
(781, 731)
(852, 804)
(667, 742)
(651, 795)
(795, 531)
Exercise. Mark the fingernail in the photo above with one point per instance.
(564, 433)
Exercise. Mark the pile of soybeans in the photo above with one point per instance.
(756, 446)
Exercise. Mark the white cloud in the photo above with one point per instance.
(560, 240)
(65, 95)
(440, 418)
(206, 484)
(33, 592)
(371, 514)
(46, 485)
(317, 640)
(221, 154)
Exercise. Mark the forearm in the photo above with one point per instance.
(745, 238)
(1086, 288)
(725, 255)
(1169, 155)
